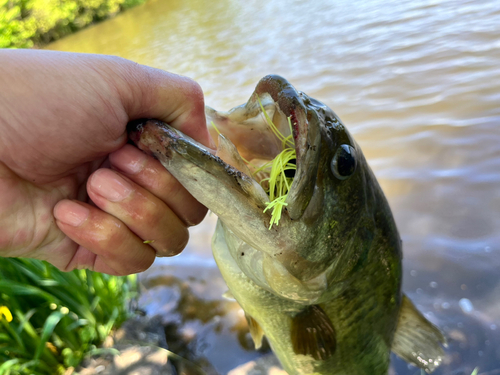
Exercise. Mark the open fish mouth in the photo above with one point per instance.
(247, 143)
(230, 180)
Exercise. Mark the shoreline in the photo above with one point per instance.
(33, 24)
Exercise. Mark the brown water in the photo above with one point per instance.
(418, 85)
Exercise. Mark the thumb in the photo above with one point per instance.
(153, 93)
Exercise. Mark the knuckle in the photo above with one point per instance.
(179, 242)
(117, 235)
(142, 267)
(192, 91)
(123, 267)
(148, 216)
(197, 99)
(137, 266)
(172, 187)
(197, 216)
(196, 93)
(106, 233)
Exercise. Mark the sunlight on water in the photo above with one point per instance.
(417, 83)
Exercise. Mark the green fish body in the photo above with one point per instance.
(324, 284)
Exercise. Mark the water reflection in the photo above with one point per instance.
(417, 83)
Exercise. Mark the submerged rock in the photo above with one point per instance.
(137, 348)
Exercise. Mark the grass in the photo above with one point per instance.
(49, 320)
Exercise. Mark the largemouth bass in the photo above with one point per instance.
(324, 283)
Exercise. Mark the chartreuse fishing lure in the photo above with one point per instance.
(279, 180)
(278, 184)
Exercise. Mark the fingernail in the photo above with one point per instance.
(71, 213)
(110, 185)
(129, 159)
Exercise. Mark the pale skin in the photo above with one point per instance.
(72, 192)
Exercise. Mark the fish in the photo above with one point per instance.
(323, 284)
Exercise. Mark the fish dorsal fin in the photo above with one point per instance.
(417, 340)
(313, 333)
(255, 331)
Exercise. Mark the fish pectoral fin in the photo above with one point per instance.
(255, 331)
(228, 295)
(417, 340)
(313, 333)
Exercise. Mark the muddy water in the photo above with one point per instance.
(418, 85)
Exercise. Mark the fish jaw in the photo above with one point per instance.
(250, 132)
(306, 134)
(232, 195)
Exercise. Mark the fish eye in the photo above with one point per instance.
(344, 162)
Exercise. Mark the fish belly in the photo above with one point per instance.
(274, 314)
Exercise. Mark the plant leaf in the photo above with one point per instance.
(47, 330)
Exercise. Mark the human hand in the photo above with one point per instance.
(63, 120)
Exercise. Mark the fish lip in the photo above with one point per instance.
(173, 140)
(160, 140)
(307, 139)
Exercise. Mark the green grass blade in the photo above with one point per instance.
(16, 288)
(47, 330)
(24, 319)
(4, 337)
(6, 366)
(74, 311)
(13, 334)
(77, 324)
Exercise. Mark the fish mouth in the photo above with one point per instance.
(223, 180)
(290, 105)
